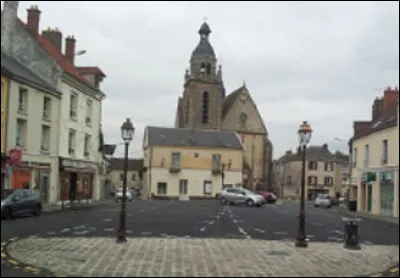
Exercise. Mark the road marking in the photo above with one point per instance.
(145, 233)
(63, 231)
(79, 227)
(310, 236)
(259, 230)
(334, 238)
(338, 232)
(211, 222)
(108, 229)
(13, 239)
(107, 219)
(281, 233)
(394, 270)
(129, 231)
(31, 269)
(366, 242)
(202, 229)
(81, 233)
(51, 233)
(14, 262)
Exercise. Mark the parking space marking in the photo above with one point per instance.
(281, 233)
(80, 233)
(259, 230)
(66, 230)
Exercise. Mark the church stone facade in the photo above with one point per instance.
(205, 105)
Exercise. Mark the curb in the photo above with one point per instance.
(366, 217)
(7, 259)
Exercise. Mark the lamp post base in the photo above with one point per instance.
(301, 243)
(121, 239)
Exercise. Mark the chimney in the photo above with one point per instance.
(54, 36)
(33, 19)
(377, 108)
(70, 49)
(325, 146)
(360, 126)
(8, 19)
(390, 96)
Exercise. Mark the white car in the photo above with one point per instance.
(241, 196)
(119, 193)
(323, 200)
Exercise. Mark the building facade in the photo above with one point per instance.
(4, 114)
(189, 163)
(205, 105)
(134, 177)
(322, 168)
(32, 128)
(375, 158)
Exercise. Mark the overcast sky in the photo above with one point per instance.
(317, 61)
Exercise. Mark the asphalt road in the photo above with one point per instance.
(194, 219)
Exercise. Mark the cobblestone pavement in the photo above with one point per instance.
(172, 257)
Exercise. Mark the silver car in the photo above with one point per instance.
(241, 196)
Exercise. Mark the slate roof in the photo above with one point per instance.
(315, 153)
(133, 164)
(109, 149)
(204, 47)
(17, 71)
(387, 119)
(163, 136)
(230, 100)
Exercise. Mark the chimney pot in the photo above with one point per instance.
(70, 49)
(54, 36)
(33, 19)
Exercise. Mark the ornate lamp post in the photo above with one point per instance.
(304, 138)
(127, 131)
(223, 165)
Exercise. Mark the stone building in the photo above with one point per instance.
(205, 105)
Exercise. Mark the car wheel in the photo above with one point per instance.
(224, 201)
(37, 210)
(250, 203)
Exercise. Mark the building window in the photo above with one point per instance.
(208, 68)
(355, 157)
(205, 108)
(366, 155)
(312, 180)
(313, 165)
(87, 143)
(176, 161)
(20, 140)
(161, 188)
(328, 181)
(73, 106)
(207, 188)
(385, 151)
(328, 166)
(203, 68)
(89, 112)
(216, 161)
(45, 143)
(23, 100)
(183, 187)
(133, 176)
(46, 108)
(71, 142)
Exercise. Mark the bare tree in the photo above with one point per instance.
(286, 177)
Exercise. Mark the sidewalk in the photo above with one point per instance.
(180, 257)
(82, 205)
(365, 215)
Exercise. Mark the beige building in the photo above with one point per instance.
(324, 172)
(33, 128)
(205, 105)
(189, 163)
(375, 158)
(134, 176)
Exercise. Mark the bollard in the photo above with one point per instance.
(351, 236)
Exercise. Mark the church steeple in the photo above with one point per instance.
(203, 60)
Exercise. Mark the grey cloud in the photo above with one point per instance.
(293, 56)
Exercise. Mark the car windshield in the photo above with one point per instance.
(322, 196)
(6, 193)
(249, 192)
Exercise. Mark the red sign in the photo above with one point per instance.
(15, 157)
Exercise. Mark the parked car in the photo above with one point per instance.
(269, 197)
(323, 200)
(119, 193)
(19, 202)
(241, 196)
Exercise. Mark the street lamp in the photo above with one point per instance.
(304, 138)
(127, 131)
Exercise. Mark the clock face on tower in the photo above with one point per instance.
(243, 97)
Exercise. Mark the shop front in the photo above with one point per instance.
(386, 181)
(76, 180)
(4, 160)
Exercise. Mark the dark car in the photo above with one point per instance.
(18, 202)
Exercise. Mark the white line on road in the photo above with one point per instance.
(202, 229)
(145, 233)
(81, 233)
(211, 222)
(310, 236)
(259, 230)
(79, 227)
(129, 231)
(281, 233)
(66, 230)
(108, 229)
(243, 232)
(334, 238)
(107, 219)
